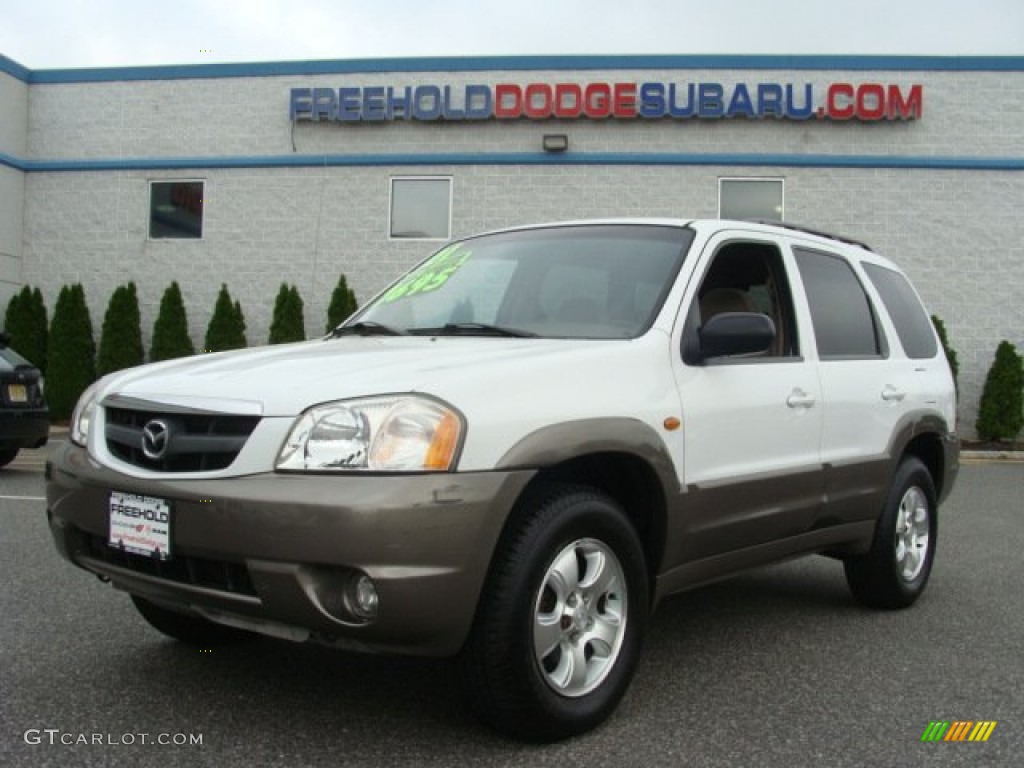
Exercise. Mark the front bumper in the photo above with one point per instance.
(24, 428)
(276, 552)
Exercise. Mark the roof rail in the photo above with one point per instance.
(818, 232)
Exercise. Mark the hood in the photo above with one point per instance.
(284, 380)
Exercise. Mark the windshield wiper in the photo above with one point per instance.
(474, 329)
(366, 328)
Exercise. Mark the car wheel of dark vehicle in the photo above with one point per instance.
(193, 630)
(6, 457)
(562, 617)
(895, 570)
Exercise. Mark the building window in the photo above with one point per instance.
(421, 208)
(750, 199)
(176, 210)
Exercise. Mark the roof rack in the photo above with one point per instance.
(817, 232)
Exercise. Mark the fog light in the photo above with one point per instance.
(364, 597)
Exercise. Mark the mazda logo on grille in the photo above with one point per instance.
(156, 436)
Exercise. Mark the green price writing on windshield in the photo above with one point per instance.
(431, 275)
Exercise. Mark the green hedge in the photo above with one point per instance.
(343, 305)
(227, 325)
(26, 322)
(121, 336)
(951, 357)
(287, 324)
(170, 330)
(72, 352)
(1001, 411)
(67, 353)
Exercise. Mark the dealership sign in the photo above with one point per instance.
(866, 102)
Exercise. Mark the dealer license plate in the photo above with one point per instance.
(16, 393)
(140, 524)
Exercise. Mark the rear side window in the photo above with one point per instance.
(911, 321)
(844, 323)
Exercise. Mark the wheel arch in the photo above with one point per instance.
(928, 448)
(927, 437)
(623, 458)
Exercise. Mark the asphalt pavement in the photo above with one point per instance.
(778, 667)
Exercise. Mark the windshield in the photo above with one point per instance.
(587, 281)
(9, 359)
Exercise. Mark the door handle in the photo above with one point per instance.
(893, 395)
(800, 399)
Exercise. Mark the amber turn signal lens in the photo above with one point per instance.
(443, 445)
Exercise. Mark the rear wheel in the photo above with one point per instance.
(6, 457)
(194, 630)
(894, 572)
(562, 618)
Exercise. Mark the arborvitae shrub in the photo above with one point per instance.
(121, 336)
(287, 324)
(170, 331)
(16, 320)
(298, 320)
(238, 326)
(342, 306)
(41, 323)
(11, 314)
(227, 326)
(954, 363)
(1001, 411)
(72, 352)
(277, 319)
(25, 321)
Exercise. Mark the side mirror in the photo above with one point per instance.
(735, 333)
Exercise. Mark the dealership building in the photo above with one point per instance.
(257, 174)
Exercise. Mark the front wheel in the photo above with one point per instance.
(561, 621)
(894, 572)
(6, 457)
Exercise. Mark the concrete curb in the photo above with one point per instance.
(1010, 456)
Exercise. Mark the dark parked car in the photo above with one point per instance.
(24, 417)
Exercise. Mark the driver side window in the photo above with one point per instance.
(749, 277)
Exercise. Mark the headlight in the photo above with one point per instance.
(81, 417)
(397, 433)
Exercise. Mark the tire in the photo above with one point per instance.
(193, 630)
(6, 457)
(561, 620)
(894, 572)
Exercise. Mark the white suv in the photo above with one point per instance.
(517, 450)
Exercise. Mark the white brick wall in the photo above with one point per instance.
(13, 122)
(958, 233)
(12, 197)
(13, 115)
(965, 113)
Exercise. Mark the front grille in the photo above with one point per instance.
(190, 443)
(182, 568)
